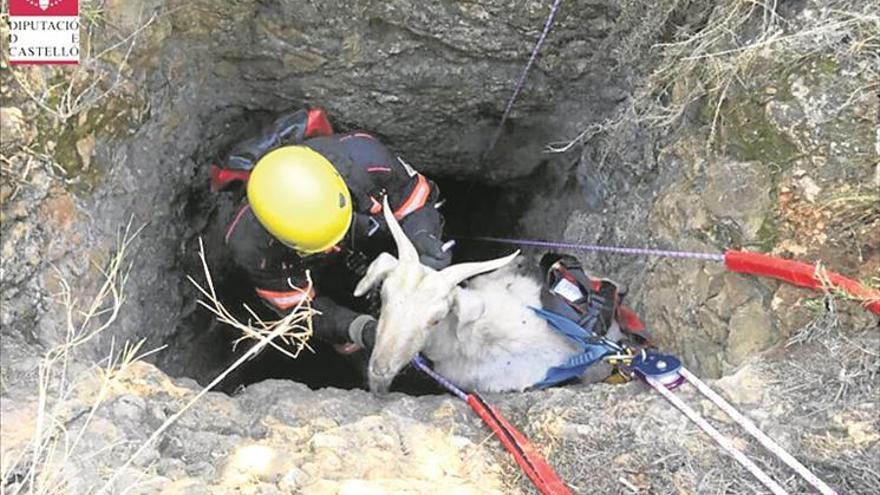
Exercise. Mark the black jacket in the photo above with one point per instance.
(370, 171)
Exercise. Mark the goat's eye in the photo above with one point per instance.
(434, 322)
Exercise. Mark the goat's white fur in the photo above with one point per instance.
(482, 337)
(492, 341)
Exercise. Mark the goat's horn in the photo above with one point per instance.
(406, 252)
(463, 271)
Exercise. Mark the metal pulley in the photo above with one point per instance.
(663, 368)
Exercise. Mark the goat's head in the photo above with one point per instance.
(416, 299)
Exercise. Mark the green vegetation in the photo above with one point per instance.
(768, 235)
(112, 118)
(750, 136)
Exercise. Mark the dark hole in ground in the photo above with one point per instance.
(471, 209)
(475, 209)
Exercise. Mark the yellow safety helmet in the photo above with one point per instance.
(300, 198)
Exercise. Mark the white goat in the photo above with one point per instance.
(482, 337)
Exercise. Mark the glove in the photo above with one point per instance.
(362, 331)
(431, 251)
(356, 262)
(374, 301)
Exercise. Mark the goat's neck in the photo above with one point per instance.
(444, 340)
(492, 341)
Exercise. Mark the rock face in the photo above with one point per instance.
(764, 170)
(14, 129)
(430, 80)
(786, 162)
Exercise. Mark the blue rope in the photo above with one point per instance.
(605, 249)
(419, 362)
(522, 78)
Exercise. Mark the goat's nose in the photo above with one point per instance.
(380, 379)
(379, 386)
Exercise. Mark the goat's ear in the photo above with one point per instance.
(469, 306)
(376, 273)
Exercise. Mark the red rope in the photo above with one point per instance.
(529, 459)
(801, 274)
(792, 272)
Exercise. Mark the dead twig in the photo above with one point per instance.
(43, 464)
(296, 325)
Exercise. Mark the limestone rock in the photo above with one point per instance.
(431, 79)
(738, 191)
(85, 147)
(751, 331)
(14, 128)
(746, 386)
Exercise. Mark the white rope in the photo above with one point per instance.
(753, 430)
(716, 435)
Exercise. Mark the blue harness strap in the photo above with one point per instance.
(567, 327)
(576, 365)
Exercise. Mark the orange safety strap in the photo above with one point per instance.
(801, 274)
(376, 207)
(317, 123)
(284, 300)
(417, 198)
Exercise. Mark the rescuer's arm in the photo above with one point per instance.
(415, 206)
(335, 323)
(280, 279)
(372, 171)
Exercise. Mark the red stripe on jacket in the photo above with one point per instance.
(284, 300)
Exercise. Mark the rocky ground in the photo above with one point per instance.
(699, 126)
(817, 399)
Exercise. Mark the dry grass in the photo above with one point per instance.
(55, 98)
(857, 209)
(297, 331)
(704, 64)
(868, 294)
(824, 324)
(46, 465)
(708, 64)
(297, 326)
(39, 467)
(856, 359)
(18, 168)
(817, 399)
(830, 385)
(543, 431)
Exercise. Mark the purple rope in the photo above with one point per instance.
(522, 78)
(606, 249)
(420, 363)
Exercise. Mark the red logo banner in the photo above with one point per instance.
(44, 7)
